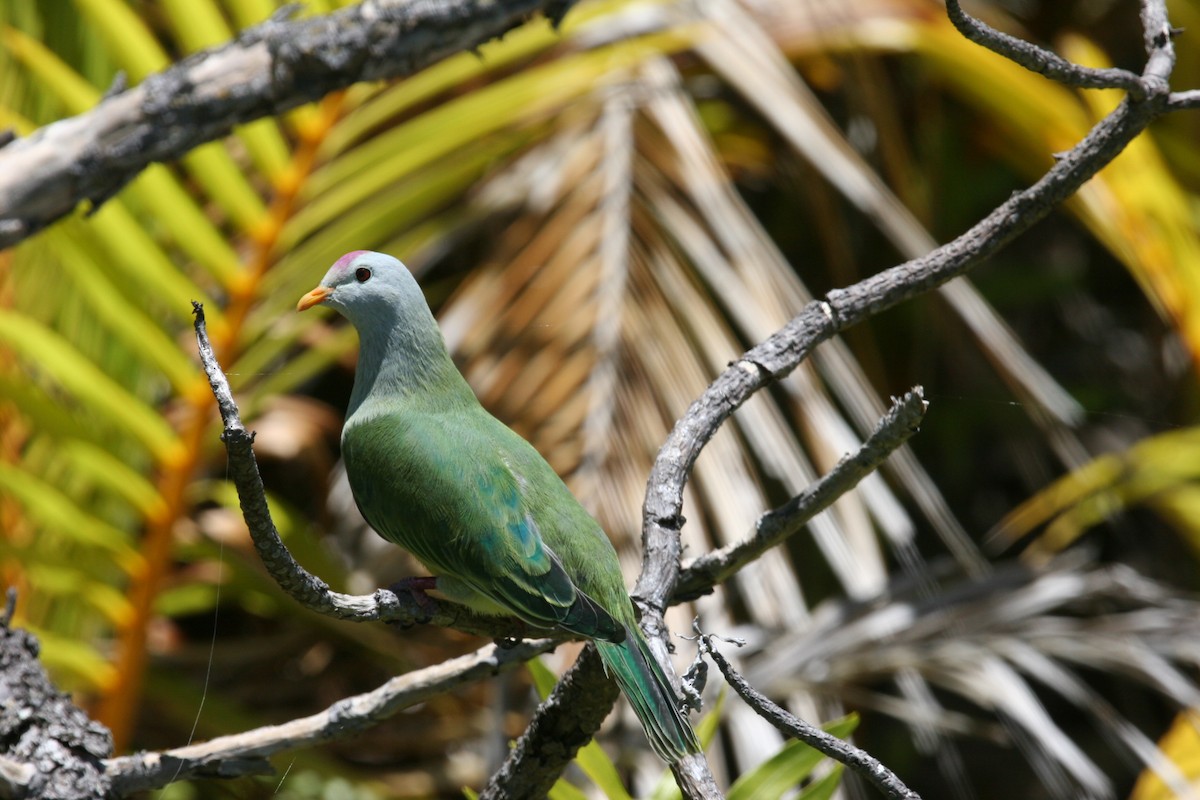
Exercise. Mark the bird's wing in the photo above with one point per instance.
(465, 497)
(522, 572)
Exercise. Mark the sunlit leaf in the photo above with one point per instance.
(64, 581)
(78, 664)
(561, 790)
(145, 268)
(191, 598)
(129, 38)
(54, 509)
(132, 325)
(1151, 472)
(443, 130)
(823, 788)
(104, 469)
(784, 771)
(1181, 743)
(55, 357)
(72, 89)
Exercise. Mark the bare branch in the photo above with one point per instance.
(1178, 101)
(855, 758)
(50, 747)
(267, 70)
(1042, 61)
(775, 526)
(246, 753)
(822, 319)
(560, 727)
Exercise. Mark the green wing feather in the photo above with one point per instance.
(457, 498)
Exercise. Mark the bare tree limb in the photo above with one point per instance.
(246, 753)
(853, 757)
(822, 319)
(270, 68)
(842, 308)
(1179, 101)
(560, 727)
(775, 526)
(1042, 61)
(50, 749)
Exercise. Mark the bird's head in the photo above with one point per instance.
(364, 285)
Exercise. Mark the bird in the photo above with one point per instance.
(433, 471)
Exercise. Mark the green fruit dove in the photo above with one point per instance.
(435, 473)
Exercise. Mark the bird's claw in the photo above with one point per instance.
(417, 588)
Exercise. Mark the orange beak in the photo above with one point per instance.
(315, 297)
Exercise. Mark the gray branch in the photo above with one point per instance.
(281, 64)
(777, 525)
(853, 757)
(822, 319)
(268, 69)
(49, 749)
(1042, 61)
(246, 753)
(566, 721)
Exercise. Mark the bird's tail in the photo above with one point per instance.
(651, 695)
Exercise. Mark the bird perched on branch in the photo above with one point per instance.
(434, 472)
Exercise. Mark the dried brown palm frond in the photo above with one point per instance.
(1005, 644)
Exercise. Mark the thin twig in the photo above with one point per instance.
(246, 753)
(853, 757)
(1043, 61)
(775, 526)
(1179, 101)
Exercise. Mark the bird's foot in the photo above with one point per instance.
(417, 588)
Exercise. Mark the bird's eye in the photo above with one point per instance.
(362, 274)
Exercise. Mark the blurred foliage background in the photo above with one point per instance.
(603, 217)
